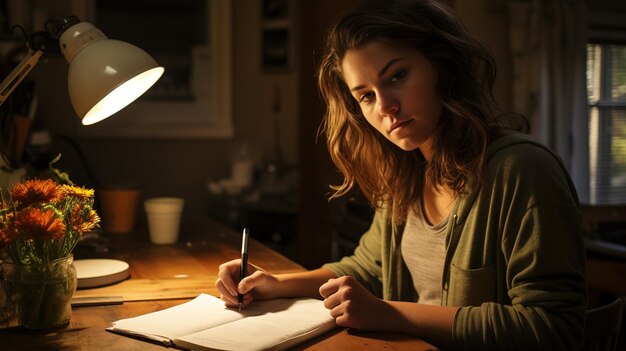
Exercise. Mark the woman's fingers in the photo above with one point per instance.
(337, 312)
(225, 294)
(256, 279)
(329, 288)
(225, 276)
(333, 301)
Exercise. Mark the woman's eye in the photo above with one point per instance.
(397, 76)
(367, 97)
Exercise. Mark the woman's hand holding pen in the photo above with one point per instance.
(258, 285)
(353, 306)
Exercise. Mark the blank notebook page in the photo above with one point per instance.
(294, 322)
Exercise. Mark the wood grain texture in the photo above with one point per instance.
(154, 289)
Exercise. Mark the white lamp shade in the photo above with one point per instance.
(106, 75)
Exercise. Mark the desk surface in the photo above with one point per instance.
(175, 274)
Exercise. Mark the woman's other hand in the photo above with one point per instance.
(352, 305)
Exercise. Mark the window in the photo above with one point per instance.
(606, 90)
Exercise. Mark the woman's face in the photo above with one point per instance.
(395, 86)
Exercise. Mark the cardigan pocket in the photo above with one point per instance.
(472, 287)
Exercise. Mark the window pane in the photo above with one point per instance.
(618, 72)
(617, 134)
(608, 155)
(595, 171)
(593, 60)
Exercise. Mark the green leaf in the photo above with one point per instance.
(61, 177)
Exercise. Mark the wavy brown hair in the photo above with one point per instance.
(466, 70)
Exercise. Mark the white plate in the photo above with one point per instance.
(98, 272)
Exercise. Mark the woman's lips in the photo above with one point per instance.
(399, 125)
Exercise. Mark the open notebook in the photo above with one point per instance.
(206, 324)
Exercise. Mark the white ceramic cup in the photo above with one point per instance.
(164, 218)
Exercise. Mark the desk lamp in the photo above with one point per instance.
(104, 76)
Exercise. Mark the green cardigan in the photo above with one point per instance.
(515, 260)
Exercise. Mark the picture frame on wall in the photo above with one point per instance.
(276, 35)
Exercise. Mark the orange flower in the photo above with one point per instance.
(35, 190)
(77, 191)
(37, 224)
(7, 236)
(83, 219)
(42, 220)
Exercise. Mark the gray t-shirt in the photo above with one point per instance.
(423, 251)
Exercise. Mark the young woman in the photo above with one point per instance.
(476, 241)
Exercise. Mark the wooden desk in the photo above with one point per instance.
(202, 247)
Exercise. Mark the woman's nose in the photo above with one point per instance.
(388, 106)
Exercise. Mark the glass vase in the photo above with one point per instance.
(41, 293)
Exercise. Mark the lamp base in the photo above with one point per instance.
(97, 272)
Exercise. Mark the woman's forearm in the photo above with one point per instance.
(302, 284)
(428, 322)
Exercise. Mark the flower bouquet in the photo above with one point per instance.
(40, 224)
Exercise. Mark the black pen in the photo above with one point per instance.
(244, 262)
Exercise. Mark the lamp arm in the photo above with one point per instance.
(20, 72)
